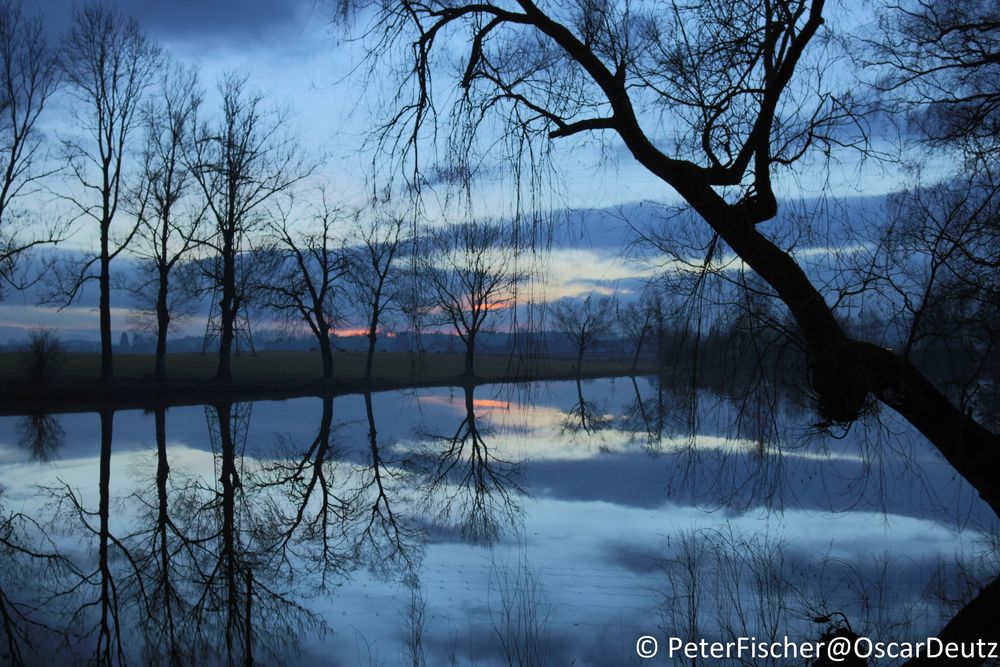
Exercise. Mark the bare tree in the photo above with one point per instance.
(583, 322)
(470, 270)
(241, 162)
(939, 247)
(637, 322)
(166, 230)
(28, 77)
(381, 242)
(304, 282)
(109, 63)
(746, 97)
(937, 65)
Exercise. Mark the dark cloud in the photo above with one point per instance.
(198, 19)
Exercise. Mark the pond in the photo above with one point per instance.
(551, 523)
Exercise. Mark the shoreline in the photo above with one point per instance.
(129, 393)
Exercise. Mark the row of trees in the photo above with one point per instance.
(208, 205)
(147, 172)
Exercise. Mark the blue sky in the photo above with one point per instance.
(293, 51)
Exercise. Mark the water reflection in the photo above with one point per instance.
(464, 482)
(585, 417)
(41, 435)
(493, 525)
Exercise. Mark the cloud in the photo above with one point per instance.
(190, 18)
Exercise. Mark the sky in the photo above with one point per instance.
(303, 61)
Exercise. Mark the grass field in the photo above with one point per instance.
(290, 367)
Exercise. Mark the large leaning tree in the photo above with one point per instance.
(716, 99)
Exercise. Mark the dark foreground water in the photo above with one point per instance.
(550, 524)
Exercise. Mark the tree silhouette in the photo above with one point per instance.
(303, 284)
(109, 63)
(241, 162)
(166, 232)
(741, 85)
(470, 272)
(28, 77)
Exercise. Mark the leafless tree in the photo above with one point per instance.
(308, 267)
(41, 435)
(333, 515)
(742, 85)
(382, 240)
(937, 64)
(28, 77)
(521, 616)
(166, 229)
(638, 322)
(241, 162)
(108, 63)
(585, 418)
(939, 247)
(471, 274)
(583, 322)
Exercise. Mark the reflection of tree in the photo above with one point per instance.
(190, 584)
(27, 555)
(41, 435)
(307, 515)
(102, 583)
(644, 417)
(585, 418)
(462, 477)
(234, 599)
(163, 553)
(384, 536)
(328, 515)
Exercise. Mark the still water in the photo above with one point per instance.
(543, 524)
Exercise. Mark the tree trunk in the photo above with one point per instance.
(326, 354)
(470, 356)
(107, 365)
(579, 359)
(230, 481)
(844, 371)
(370, 359)
(638, 351)
(162, 325)
(108, 613)
(162, 530)
(227, 311)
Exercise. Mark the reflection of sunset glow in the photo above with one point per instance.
(458, 403)
(490, 403)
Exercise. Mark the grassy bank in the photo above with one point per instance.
(268, 375)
